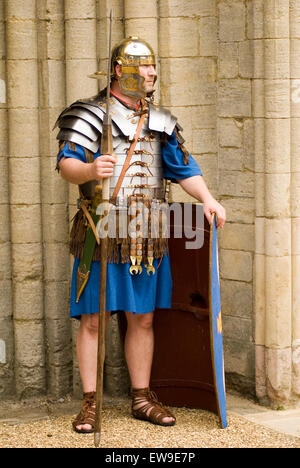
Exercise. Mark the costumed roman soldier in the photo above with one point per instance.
(138, 271)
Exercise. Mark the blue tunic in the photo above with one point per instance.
(139, 294)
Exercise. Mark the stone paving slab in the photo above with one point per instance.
(285, 421)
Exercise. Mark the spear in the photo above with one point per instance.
(106, 148)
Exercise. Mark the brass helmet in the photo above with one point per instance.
(130, 53)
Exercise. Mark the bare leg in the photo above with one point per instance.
(139, 346)
(87, 347)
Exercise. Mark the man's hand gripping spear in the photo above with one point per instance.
(103, 192)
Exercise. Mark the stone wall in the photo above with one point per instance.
(228, 69)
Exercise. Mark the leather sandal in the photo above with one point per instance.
(145, 406)
(87, 414)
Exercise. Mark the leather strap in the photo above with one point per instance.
(129, 156)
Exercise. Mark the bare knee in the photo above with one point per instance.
(90, 323)
(140, 321)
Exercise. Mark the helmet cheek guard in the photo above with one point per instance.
(130, 54)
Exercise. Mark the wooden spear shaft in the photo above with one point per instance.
(106, 148)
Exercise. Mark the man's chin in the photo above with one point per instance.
(149, 89)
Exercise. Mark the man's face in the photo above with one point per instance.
(149, 73)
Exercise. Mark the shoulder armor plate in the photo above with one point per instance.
(161, 119)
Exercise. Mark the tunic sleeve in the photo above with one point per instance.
(72, 150)
(174, 167)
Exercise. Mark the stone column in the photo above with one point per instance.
(142, 21)
(6, 312)
(118, 33)
(295, 189)
(116, 380)
(188, 68)
(235, 190)
(81, 61)
(273, 218)
(25, 197)
(54, 193)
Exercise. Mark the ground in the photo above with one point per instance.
(44, 422)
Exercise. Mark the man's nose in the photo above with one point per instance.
(152, 70)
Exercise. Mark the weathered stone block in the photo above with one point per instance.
(228, 60)
(56, 262)
(24, 180)
(28, 300)
(55, 223)
(3, 180)
(295, 144)
(252, 139)
(259, 303)
(295, 224)
(18, 9)
(278, 302)
(23, 133)
(56, 296)
(278, 195)
(277, 14)
(77, 9)
(5, 299)
(278, 363)
(3, 133)
(277, 59)
(179, 37)
(258, 98)
(236, 183)
(26, 224)
(27, 262)
(237, 237)
(55, 189)
(231, 157)
(54, 78)
(5, 265)
(277, 98)
(7, 374)
(258, 66)
(234, 98)
(236, 298)
(58, 332)
(232, 21)
(278, 237)
(146, 28)
(203, 116)
(21, 39)
(204, 141)
(295, 193)
(296, 369)
(295, 19)
(131, 11)
(178, 77)
(79, 85)
(277, 146)
(22, 75)
(255, 19)
(80, 39)
(230, 133)
(196, 7)
(117, 6)
(29, 341)
(246, 59)
(239, 210)
(208, 27)
(235, 265)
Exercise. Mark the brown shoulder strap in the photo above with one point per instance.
(129, 156)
